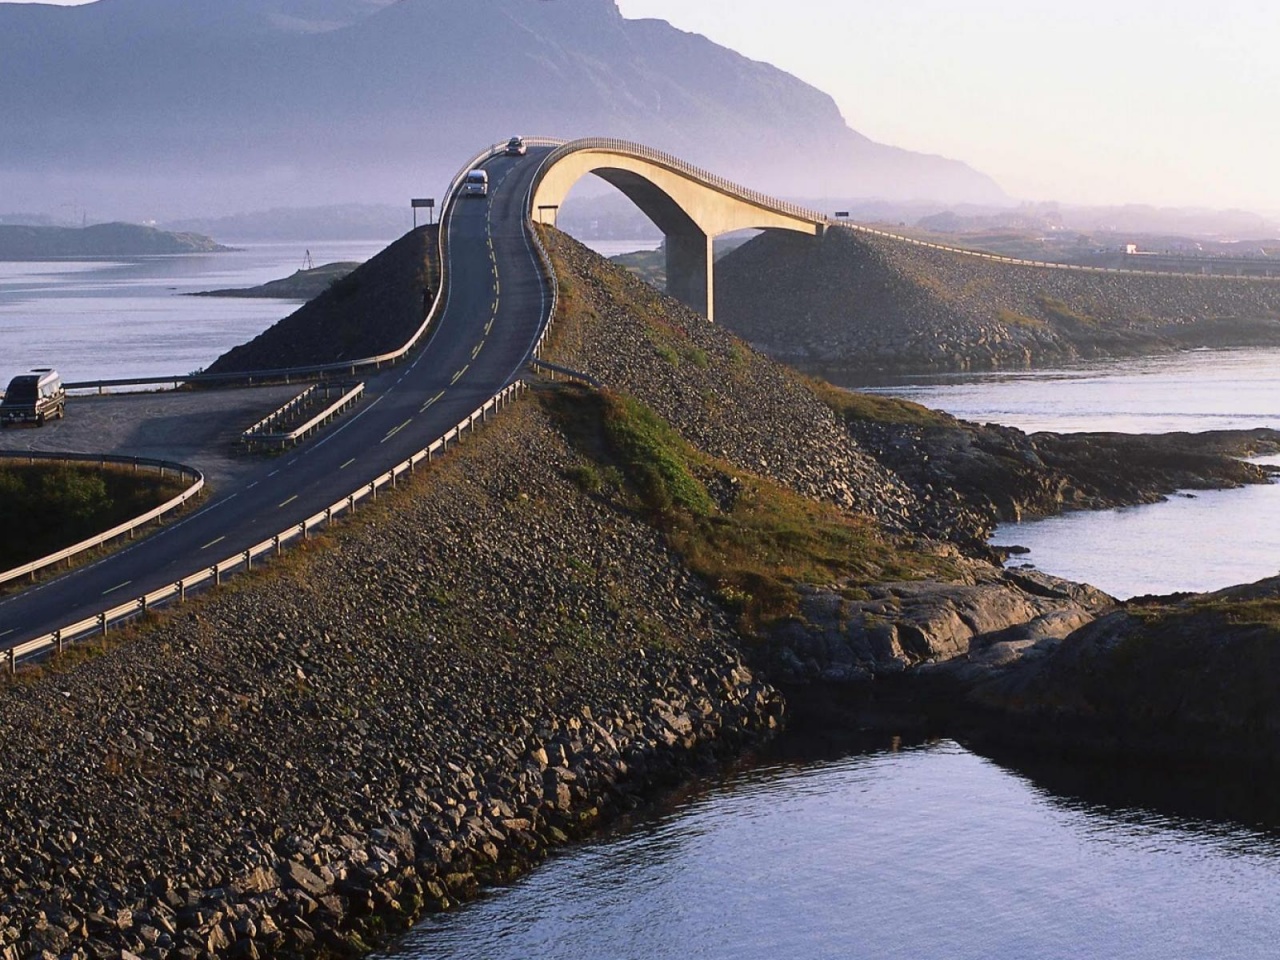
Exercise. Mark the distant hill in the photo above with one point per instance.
(186, 107)
(100, 240)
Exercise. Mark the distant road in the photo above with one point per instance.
(496, 306)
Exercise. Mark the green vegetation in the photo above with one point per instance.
(754, 541)
(1059, 312)
(850, 406)
(45, 508)
(1011, 319)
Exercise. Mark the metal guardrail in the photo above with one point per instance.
(258, 432)
(126, 528)
(97, 625)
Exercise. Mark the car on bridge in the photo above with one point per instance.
(476, 184)
(516, 147)
(34, 398)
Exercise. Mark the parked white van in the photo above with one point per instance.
(476, 184)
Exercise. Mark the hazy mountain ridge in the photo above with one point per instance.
(306, 101)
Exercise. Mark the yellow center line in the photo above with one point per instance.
(114, 589)
(347, 464)
(289, 501)
(458, 376)
(396, 430)
(213, 543)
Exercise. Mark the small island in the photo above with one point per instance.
(302, 285)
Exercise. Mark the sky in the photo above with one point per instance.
(1167, 102)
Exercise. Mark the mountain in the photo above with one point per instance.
(188, 107)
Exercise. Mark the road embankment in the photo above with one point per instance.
(859, 303)
(473, 670)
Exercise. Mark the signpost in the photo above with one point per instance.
(420, 202)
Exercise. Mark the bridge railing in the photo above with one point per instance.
(98, 624)
(129, 527)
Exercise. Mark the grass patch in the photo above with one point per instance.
(850, 406)
(1011, 319)
(1058, 311)
(754, 547)
(46, 507)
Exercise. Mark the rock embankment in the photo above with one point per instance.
(372, 310)
(859, 302)
(722, 397)
(303, 761)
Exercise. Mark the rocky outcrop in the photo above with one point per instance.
(969, 477)
(1183, 677)
(853, 301)
(984, 618)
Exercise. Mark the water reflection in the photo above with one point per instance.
(932, 851)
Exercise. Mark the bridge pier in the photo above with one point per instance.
(691, 271)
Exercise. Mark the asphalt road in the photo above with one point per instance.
(495, 309)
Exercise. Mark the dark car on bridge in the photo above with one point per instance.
(516, 147)
(34, 398)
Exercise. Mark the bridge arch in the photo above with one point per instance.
(690, 206)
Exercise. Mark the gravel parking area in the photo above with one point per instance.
(197, 428)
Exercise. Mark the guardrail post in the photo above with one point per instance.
(57, 641)
(182, 591)
(306, 534)
(217, 575)
(142, 604)
(248, 560)
(12, 665)
(102, 624)
(276, 543)
(328, 516)
(373, 490)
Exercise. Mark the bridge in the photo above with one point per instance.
(690, 206)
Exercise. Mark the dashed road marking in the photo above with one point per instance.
(287, 502)
(7, 632)
(476, 352)
(423, 408)
(458, 376)
(114, 589)
(347, 464)
(396, 430)
(213, 543)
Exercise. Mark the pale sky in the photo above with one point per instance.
(1169, 102)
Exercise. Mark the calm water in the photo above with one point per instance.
(126, 318)
(1201, 541)
(930, 853)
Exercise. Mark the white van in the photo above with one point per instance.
(476, 184)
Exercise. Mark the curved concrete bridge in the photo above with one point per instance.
(690, 206)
